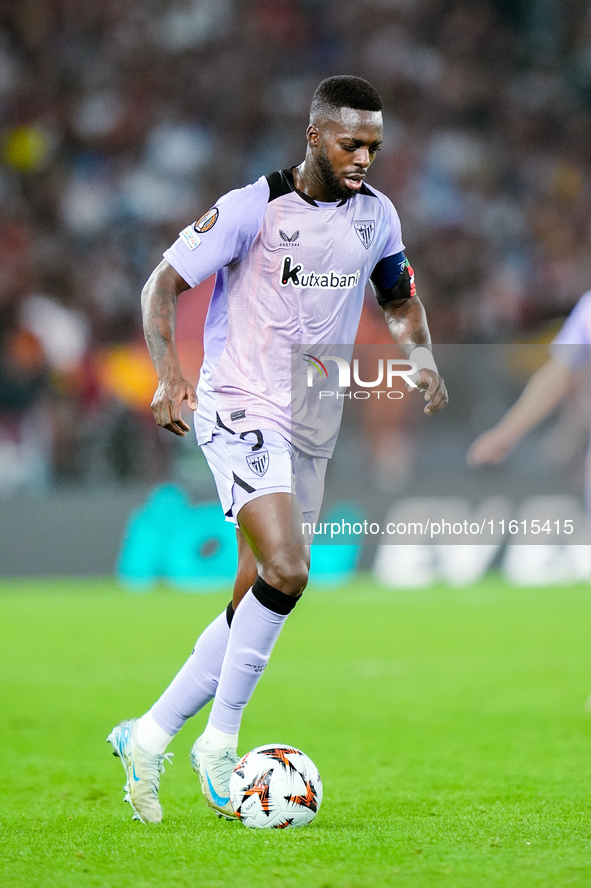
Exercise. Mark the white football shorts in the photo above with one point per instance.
(252, 464)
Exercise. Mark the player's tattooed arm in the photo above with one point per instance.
(159, 300)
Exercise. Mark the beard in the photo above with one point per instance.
(335, 191)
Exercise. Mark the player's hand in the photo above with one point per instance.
(492, 446)
(167, 403)
(435, 392)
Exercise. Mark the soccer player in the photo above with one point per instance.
(292, 254)
(545, 390)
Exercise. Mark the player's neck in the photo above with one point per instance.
(309, 181)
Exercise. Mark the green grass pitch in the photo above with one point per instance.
(449, 726)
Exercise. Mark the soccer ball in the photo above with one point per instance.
(274, 787)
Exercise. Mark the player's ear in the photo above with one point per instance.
(313, 136)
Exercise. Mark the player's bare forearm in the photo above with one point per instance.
(159, 301)
(407, 323)
(544, 391)
(408, 327)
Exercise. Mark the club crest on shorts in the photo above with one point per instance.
(258, 462)
(366, 230)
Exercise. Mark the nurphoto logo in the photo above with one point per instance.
(387, 372)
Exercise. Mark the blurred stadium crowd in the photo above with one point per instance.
(122, 121)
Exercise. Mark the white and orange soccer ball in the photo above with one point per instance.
(275, 787)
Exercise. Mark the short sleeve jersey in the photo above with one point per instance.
(289, 270)
(572, 345)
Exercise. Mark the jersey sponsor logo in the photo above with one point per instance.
(286, 240)
(331, 280)
(206, 221)
(258, 462)
(366, 229)
(190, 238)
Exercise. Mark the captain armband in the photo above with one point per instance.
(393, 279)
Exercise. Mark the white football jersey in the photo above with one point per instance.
(289, 271)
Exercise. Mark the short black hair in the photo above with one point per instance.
(345, 91)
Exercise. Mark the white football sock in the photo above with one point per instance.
(213, 738)
(151, 736)
(254, 631)
(196, 683)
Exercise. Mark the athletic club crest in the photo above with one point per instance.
(366, 230)
(258, 462)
